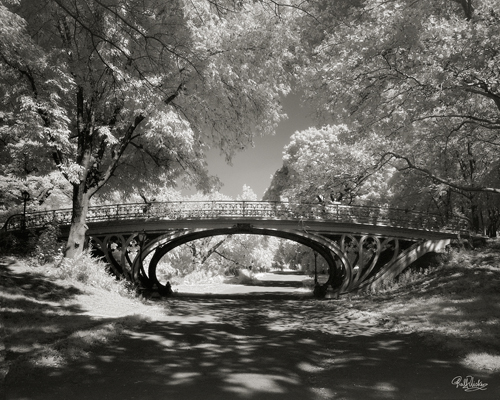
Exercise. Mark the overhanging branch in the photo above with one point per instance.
(437, 178)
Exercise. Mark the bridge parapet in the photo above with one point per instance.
(178, 210)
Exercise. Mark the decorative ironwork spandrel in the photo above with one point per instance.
(369, 251)
(367, 255)
(114, 246)
(350, 247)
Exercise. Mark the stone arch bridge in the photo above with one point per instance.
(362, 245)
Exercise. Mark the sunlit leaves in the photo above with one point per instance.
(330, 163)
(401, 68)
(422, 78)
(105, 89)
(241, 52)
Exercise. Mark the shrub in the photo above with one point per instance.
(48, 248)
(92, 271)
(410, 276)
(202, 276)
(18, 243)
(40, 247)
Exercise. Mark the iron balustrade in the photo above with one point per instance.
(178, 210)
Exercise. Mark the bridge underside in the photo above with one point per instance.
(358, 257)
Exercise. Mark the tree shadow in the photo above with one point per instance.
(462, 301)
(233, 348)
(33, 313)
(277, 283)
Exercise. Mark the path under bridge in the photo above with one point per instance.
(362, 246)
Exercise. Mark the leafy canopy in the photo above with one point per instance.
(130, 91)
(329, 163)
(423, 75)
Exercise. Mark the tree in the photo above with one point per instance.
(122, 93)
(44, 193)
(247, 194)
(421, 78)
(296, 256)
(329, 164)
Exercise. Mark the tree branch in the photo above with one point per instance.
(213, 250)
(118, 151)
(430, 174)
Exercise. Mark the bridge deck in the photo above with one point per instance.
(274, 215)
(327, 227)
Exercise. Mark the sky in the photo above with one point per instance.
(255, 166)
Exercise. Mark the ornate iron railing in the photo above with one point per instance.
(176, 210)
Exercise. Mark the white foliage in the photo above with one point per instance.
(190, 76)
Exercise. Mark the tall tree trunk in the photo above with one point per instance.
(76, 238)
(81, 194)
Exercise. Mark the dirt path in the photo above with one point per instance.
(261, 348)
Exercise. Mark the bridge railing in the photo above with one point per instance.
(176, 210)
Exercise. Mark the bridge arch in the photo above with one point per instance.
(338, 263)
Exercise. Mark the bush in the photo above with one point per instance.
(413, 274)
(48, 248)
(92, 271)
(40, 247)
(18, 243)
(201, 277)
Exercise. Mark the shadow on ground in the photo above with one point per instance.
(31, 310)
(460, 303)
(34, 317)
(222, 348)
